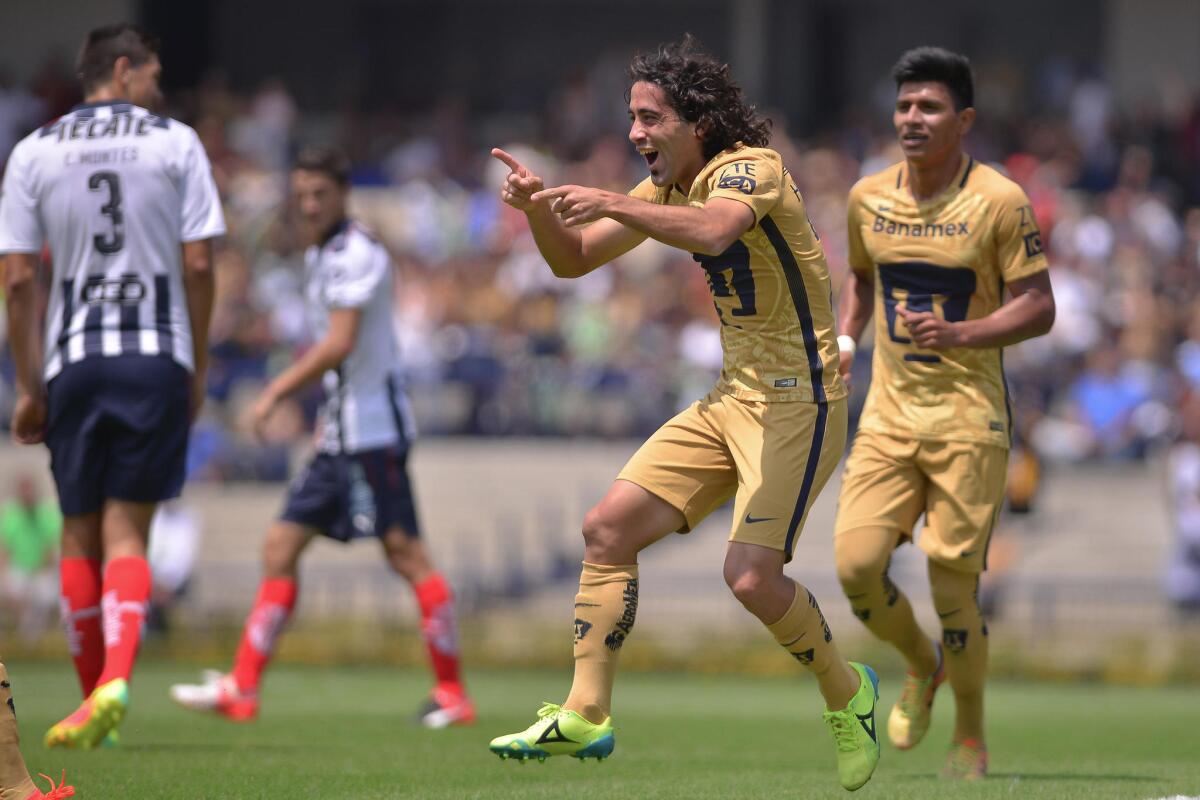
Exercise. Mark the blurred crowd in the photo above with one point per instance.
(495, 345)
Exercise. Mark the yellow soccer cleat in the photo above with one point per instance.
(91, 723)
(557, 732)
(912, 713)
(853, 730)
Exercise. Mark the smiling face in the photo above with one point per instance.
(673, 148)
(928, 126)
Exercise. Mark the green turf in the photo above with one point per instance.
(347, 734)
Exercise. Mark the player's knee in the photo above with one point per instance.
(602, 537)
(858, 574)
(747, 585)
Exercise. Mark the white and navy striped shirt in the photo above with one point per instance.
(365, 408)
(113, 190)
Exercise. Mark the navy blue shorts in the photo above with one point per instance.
(117, 428)
(349, 496)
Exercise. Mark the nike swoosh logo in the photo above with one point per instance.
(862, 720)
(948, 613)
(751, 520)
(966, 553)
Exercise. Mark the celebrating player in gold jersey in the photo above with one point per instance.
(934, 241)
(769, 434)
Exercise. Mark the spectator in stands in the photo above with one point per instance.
(30, 528)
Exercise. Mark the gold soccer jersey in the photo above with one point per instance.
(771, 287)
(950, 255)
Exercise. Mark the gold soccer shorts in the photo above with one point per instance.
(959, 487)
(773, 458)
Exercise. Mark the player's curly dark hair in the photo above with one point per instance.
(701, 89)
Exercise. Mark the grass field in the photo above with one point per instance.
(347, 734)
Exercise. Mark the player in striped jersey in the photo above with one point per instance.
(769, 434)
(357, 485)
(125, 200)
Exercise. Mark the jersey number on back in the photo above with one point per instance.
(919, 286)
(735, 261)
(112, 242)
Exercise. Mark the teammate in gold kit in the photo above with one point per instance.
(770, 433)
(934, 242)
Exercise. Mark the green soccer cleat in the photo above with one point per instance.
(910, 717)
(91, 723)
(853, 730)
(557, 732)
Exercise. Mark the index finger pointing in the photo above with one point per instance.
(548, 194)
(509, 161)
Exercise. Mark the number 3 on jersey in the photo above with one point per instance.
(919, 286)
(736, 261)
(112, 242)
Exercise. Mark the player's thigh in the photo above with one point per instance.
(627, 520)
(146, 405)
(966, 492)
(882, 486)
(685, 464)
(785, 454)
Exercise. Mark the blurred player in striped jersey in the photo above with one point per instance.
(357, 485)
(125, 200)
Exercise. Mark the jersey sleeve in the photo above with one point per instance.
(856, 249)
(20, 227)
(355, 275)
(753, 179)
(1018, 241)
(202, 214)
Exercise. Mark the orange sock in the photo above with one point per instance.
(79, 599)
(123, 606)
(440, 631)
(272, 609)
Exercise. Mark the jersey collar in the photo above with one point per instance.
(959, 181)
(100, 104)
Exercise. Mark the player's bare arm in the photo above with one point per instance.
(200, 285)
(1029, 313)
(325, 355)
(709, 230)
(25, 336)
(855, 308)
(570, 253)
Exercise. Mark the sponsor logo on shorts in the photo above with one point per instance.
(785, 383)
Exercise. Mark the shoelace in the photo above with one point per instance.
(549, 709)
(843, 730)
(60, 791)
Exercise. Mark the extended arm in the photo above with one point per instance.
(708, 230)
